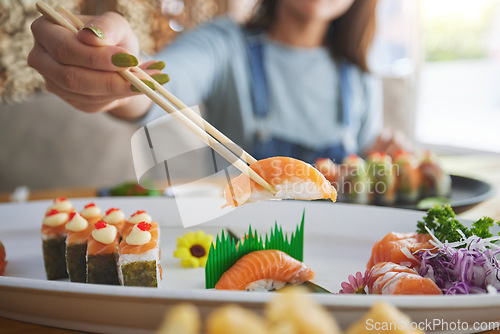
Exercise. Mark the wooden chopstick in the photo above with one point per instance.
(232, 146)
(234, 159)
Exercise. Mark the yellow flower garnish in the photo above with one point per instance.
(193, 248)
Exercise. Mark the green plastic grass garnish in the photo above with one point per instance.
(225, 251)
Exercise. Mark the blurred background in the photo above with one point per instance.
(438, 61)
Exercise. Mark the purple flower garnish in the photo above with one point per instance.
(356, 283)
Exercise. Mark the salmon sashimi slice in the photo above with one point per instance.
(265, 266)
(95, 247)
(389, 278)
(400, 248)
(291, 178)
(140, 249)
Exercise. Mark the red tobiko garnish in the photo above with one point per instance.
(52, 212)
(143, 226)
(71, 215)
(100, 224)
(60, 199)
(111, 210)
(138, 212)
(90, 205)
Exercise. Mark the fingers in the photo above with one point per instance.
(78, 79)
(65, 48)
(109, 29)
(54, 88)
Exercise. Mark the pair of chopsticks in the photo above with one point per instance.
(183, 114)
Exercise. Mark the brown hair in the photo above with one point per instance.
(349, 36)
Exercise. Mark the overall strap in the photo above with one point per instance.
(345, 92)
(260, 96)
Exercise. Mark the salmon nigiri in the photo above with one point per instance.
(389, 278)
(291, 178)
(400, 248)
(264, 270)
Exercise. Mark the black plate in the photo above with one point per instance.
(465, 194)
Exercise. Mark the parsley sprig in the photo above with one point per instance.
(441, 221)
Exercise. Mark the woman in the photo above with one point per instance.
(292, 82)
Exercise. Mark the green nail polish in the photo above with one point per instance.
(159, 65)
(124, 60)
(98, 32)
(147, 82)
(161, 78)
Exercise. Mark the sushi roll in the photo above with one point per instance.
(329, 169)
(291, 178)
(92, 213)
(408, 177)
(353, 180)
(136, 218)
(264, 270)
(139, 261)
(382, 178)
(54, 244)
(115, 217)
(102, 254)
(61, 204)
(78, 230)
(434, 180)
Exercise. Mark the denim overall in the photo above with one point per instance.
(267, 146)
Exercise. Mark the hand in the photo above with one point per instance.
(79, 69)
(390, 142)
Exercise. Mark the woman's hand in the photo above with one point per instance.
(82, 69)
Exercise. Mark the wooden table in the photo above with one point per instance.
(485, 167)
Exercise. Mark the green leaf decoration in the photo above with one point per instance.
(224, 253)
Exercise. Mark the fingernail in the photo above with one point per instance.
(161, 78)
(147, 82)
(124, 60)
(98, 32)
(159, 65)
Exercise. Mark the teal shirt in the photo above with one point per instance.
(209, 65)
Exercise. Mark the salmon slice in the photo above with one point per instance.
(126, 229)
(53, 230)
(399, 248)
(389, 278)
(95, 247)
(268, 264)
(140, 249)
(292, 179)
(79, 237)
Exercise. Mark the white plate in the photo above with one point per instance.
(338, 242)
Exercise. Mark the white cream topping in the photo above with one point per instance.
(105, 235)
(91, 212)
(56, 220)
(63, 206)
(77, 223)
(141, 217)
(114, 217)
(138, 237)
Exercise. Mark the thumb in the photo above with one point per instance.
(109, 29)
